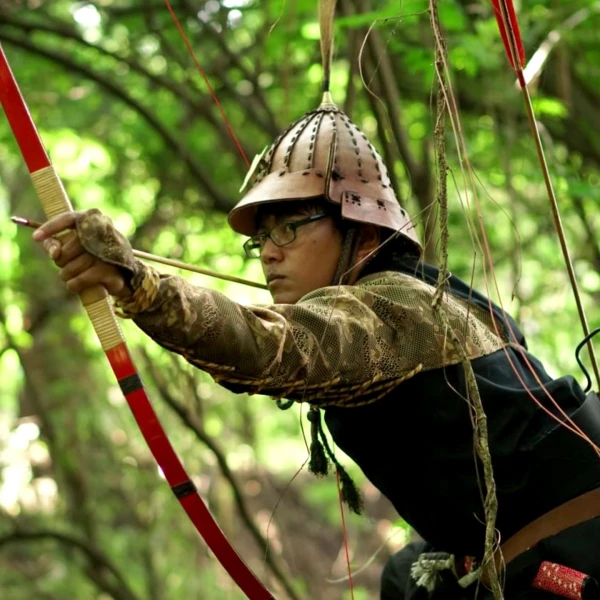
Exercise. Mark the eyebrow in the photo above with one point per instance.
(282, 217)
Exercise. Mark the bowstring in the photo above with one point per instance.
(212, 92)
(247, 163)
(242, 154)
(339, 286)
(345, 536)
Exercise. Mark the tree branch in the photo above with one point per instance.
(64, 31)
(219, 200)
(100, 570)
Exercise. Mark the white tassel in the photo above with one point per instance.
(427, 568)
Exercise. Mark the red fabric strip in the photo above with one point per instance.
(559, 580)
(514, 23)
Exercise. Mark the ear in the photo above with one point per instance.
(368, 241)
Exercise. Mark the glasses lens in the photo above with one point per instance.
(283, 234)
(252, 247)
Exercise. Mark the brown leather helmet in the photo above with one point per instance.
(324, 154)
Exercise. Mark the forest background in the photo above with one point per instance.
(132, 129)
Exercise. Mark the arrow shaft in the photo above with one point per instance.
(558, 225)
(164, 261)
(511, 36)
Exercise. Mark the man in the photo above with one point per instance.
(354, 330)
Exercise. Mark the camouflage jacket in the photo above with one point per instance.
(337, 346)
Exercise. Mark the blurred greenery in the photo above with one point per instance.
(132, 129)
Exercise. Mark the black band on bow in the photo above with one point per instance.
(131, 383)
(184, 489)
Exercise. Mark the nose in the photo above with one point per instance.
(270, 252)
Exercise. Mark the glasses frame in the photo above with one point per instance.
(258, 240)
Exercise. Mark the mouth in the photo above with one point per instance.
(273, 278)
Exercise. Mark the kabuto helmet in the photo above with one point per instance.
(324, 154)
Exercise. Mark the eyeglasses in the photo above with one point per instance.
(281, 235)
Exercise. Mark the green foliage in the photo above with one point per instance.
(132, 129)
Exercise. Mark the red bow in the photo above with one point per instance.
(97, 304)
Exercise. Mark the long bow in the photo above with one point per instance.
(511, 37)
(98, 307)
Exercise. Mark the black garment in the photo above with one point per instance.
(416, 444)
(575, 547)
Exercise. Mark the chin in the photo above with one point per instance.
(285, 297)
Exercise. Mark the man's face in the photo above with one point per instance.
(306, 264)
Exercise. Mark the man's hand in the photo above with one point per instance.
(78, 268)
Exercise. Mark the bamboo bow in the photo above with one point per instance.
(96, 302)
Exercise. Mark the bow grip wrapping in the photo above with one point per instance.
(52, 195)
(96, 301)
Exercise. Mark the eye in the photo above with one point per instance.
(283, 233)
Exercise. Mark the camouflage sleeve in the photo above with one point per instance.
(337, 346)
